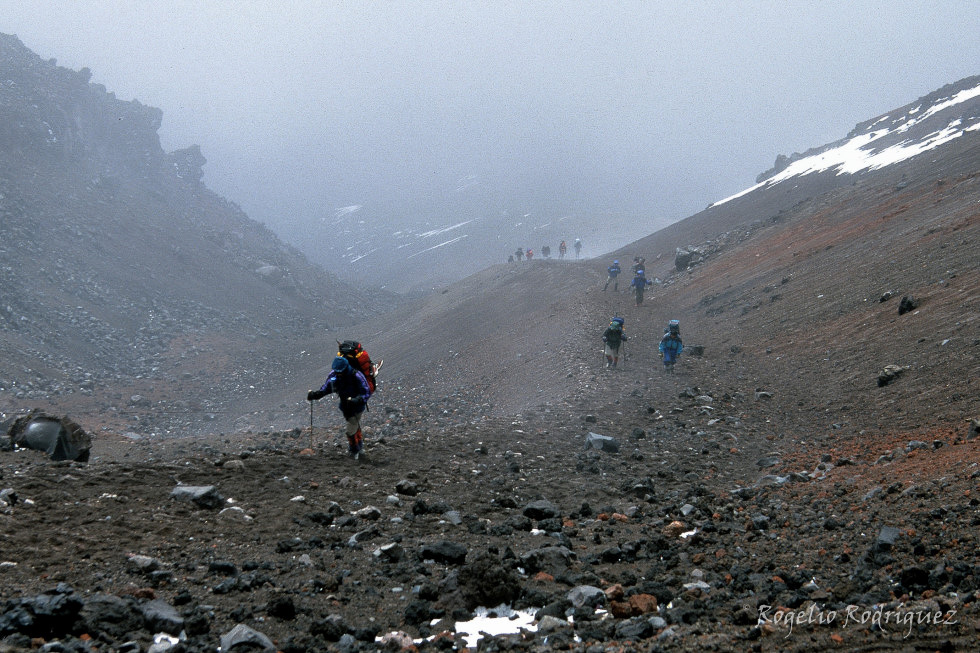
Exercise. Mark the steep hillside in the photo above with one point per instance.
(119, 267)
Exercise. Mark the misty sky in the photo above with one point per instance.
(652, 108)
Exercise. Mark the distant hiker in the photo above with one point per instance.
(639, 263)
(639, 284)
(614, 337)
(510, 259)
(613, 271)
(530, 253)
(671, 345)
(578, 247)
(352, 386)
(562, 248)
(546, 251)
(519, 254)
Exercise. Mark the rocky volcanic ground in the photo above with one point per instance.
(771, 495)
(699, 525)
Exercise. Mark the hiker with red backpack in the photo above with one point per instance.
(354, 388)
(359, 359)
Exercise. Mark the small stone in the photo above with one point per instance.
(674, 529)
(406, 487)
(243, 638)
(887, 538)
(205, 496)
(601, 443)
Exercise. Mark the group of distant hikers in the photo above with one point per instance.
(353, 375)
(614, 339)
(637, 285)
(528, 253)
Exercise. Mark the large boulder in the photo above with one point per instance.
(59, 437)
(889, 373)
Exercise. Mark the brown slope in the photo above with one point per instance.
(797, 295)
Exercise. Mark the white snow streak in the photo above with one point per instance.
(448, 242)
(436, 232)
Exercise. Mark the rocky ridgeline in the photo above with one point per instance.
(690, 256)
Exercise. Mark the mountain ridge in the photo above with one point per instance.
(114, 251)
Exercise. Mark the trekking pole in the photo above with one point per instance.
(311, 428)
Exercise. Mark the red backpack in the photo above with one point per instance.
(359, 359)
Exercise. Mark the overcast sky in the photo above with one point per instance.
(656, 108)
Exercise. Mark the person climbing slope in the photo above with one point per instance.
(639, 285)
(613, 278)
(352, 387)
(614, 337)
(671, 345)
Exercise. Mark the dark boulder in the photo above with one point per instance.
(488, 582)
(907, 305)
(444, 552)
(109, 614)
(49, 615)
(59, 437)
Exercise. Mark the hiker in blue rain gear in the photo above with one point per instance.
(354, 392)
(639, 284)
(671, 345)
(613, 271)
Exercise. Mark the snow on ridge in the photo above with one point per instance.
(443, 244)
(858, 154)
(903, 150)
(358, 257)
(342, 212)
(436, 232)
(962, 96)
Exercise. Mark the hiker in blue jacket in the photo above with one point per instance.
(671, 345)
(613, 271)
(639, 284)
(354, 393)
